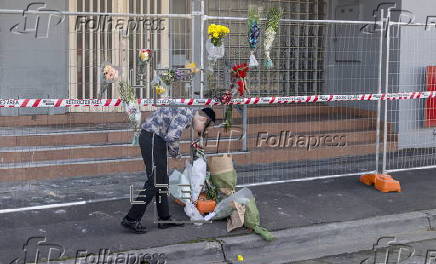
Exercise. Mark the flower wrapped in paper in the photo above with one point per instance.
(214, 45)
(131, 106)
(253, 33)
(239, 73)
(108, 74)
(144, 57)
(272, 26)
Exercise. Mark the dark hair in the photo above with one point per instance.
(209, 113)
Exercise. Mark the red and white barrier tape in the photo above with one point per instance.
(24, 103)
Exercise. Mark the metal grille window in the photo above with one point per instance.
(92, 48)
(298, 50)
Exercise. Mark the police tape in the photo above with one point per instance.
(29, 103)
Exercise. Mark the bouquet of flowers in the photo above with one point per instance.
(168, 77)
(109, 75)
(272, 26)
(239, 72)
(131, 107)
(144, 56)
(214, 46)
(253, 33)
(160, 90)
(193, 67)
(197, 149)
(228, 109)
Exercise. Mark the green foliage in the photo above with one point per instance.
(211, 193)
(273, 18)
(127, 92)
(253, 15)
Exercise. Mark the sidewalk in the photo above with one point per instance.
(286, 207)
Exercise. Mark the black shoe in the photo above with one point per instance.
(134, 226)
(167, 225)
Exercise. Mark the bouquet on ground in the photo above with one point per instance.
(253, 33)
(214, 45)
(272, 26)
(131, 107)
(109, 74)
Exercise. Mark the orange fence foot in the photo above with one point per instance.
(385, 183)
(381, 182)
(368, 179)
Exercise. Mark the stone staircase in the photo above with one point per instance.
(91, 144)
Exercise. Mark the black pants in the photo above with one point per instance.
(160, 160)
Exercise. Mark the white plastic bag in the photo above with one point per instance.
(193, 214)
(198, 176)
(176, 179)
(213, 51)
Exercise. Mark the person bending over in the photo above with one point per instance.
(159, 136)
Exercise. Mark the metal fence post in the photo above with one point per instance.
(197, 11)
(380, 67)
(385, 132)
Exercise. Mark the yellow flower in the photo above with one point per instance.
(192, 66)
(217, 31)
(160, 90)
(240, 258)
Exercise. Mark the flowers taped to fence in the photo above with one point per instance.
(160, 89)
(217, 33)
(22, 103)
(109, 74)
(253, 32)
(193, 67)
(144, 55)
(272, 26)
(239, 72)
(214, 45)
(131, 107)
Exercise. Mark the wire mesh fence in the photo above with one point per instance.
(411, 68)
(88, 147)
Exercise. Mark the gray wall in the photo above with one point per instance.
(30, 66)
(360, 74)
(418, 50)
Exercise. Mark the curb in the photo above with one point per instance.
(302, 243)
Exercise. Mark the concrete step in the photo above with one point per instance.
(52, 136)
(46, 153)
(85, 167)
(91, 118)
